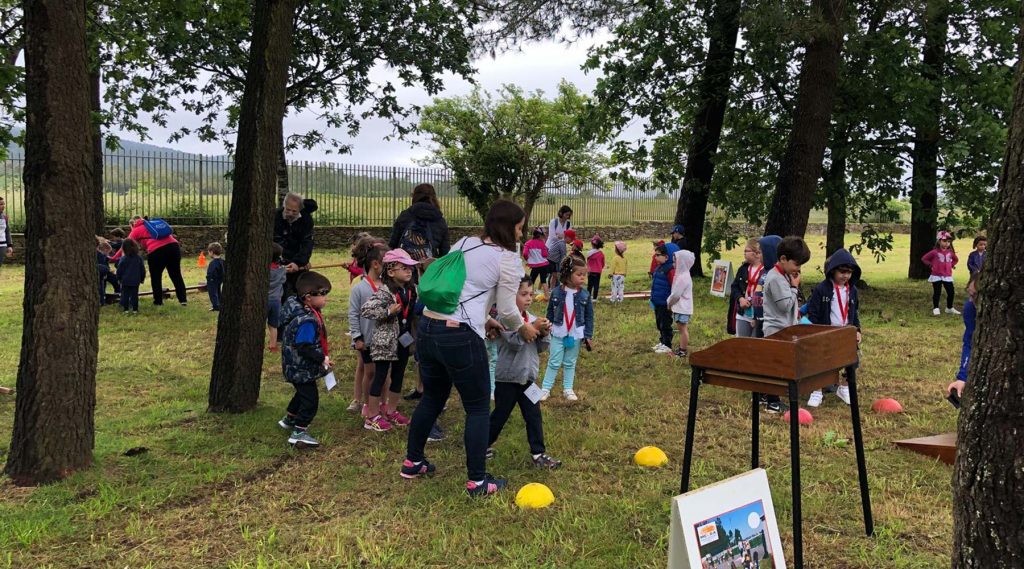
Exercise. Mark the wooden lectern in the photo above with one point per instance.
(793, 362)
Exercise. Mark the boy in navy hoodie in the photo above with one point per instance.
(834, 302)
(661, 288)
(215, 274)
(131, 272)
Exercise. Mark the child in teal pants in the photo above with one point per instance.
(571, 314)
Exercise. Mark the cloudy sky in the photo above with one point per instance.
(536, 66)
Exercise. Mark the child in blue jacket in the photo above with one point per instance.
(834, 302)
(661, 288)
(571, 313)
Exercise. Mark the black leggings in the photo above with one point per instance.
(593, 284)
(397, 369)
(506, 397)
(541, 272)
(937, 287)
(166, 257)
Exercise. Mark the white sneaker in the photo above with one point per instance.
(663, 349)
(843, 392)
(815, 399)
(570, 395)
(544, 394)
(656, 346)
(935, 312)
(952, 311)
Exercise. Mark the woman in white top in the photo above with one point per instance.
(450, 347)
(558, 225)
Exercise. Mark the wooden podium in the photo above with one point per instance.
(793, 362)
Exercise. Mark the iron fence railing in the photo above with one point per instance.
(189, 189)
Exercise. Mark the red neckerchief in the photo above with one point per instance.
(843, 310)
(274, 266)
(781, 272)
(752, 278)
(565, 312)
(373, 286)
(323, 331)
(402, 304)
(526, 318)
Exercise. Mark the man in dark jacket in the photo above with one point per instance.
(421, 227)
(293, 231)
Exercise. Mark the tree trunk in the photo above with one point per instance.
(988, 478)
(801, 164)
(924, 213)
(53, 416)
(97, 149)
(835, 195)
(282, 171)
(238, 355)
(713, 91)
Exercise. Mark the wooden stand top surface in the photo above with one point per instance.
(808, 354)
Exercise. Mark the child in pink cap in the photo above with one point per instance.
(618, 270)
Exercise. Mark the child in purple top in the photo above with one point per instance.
(977, 257)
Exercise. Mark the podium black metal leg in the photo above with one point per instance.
(691, 422)
(755, 430)
(794, 453)
(858, 442)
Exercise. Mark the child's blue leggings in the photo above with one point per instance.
(492, 359)
(561, 357)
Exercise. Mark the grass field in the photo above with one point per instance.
(226, 491)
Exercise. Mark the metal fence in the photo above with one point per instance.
(188, 189)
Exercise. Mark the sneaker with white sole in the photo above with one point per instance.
(354, 407)
(663, 349)
(412, 469)
(302, 438)
(489, 485)
(287, 423)
(378, 423)
(544, 394)
(952, 311)
(935, 312)
(570, 395)
(843, 392)
(815, 399)
(436, 434)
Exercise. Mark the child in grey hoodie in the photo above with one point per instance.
(781, 290)
(516, 372)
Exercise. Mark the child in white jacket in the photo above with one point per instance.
(680, 300)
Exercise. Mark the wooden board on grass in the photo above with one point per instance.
(942, 447)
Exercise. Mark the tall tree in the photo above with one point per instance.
(238, 355)
(53, 417)
(988, 481)
(713, 97)
(924, 192)
(797, 181)
(514, 148)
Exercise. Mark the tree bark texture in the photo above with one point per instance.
(713, 93)
(53, 417)
(988, 477)
(924, 213)
(282, 171)
(800, 168)
(836, 191)
(97, 150)
(238, 355)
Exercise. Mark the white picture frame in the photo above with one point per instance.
(721, 278)
(705, 523)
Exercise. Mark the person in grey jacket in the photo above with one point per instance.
(516, 371)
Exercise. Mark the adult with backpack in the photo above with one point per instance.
(162, 253)
(558, 226)
(450, 341)
(293, 231)
(421, 229)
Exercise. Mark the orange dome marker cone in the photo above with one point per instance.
(202, 259)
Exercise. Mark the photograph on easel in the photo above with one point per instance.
(735, 539)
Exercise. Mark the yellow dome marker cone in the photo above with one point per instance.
(533, 496)
(652, 457)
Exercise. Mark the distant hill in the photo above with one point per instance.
(127, 147)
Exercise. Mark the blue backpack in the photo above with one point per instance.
(158, 228)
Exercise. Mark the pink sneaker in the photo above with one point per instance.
(397, 418)
(378, 423)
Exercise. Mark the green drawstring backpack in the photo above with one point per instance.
(441, 285)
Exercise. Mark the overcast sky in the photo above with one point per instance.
(536, 66)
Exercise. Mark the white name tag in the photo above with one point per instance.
(406, 340)
(330, 381)
(533, 393)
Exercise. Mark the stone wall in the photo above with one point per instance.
(195, 238)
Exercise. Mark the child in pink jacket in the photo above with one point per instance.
(535, 251)
(680, 300)
(942, 260)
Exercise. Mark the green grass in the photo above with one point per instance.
(226, 491)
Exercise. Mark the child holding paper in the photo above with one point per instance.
(391, 306)
(516, 373)
(305, 356)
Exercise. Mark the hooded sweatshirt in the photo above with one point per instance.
(430, 219)
(680, 301)
(819, 307)
(769, 245)
(661, 283)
